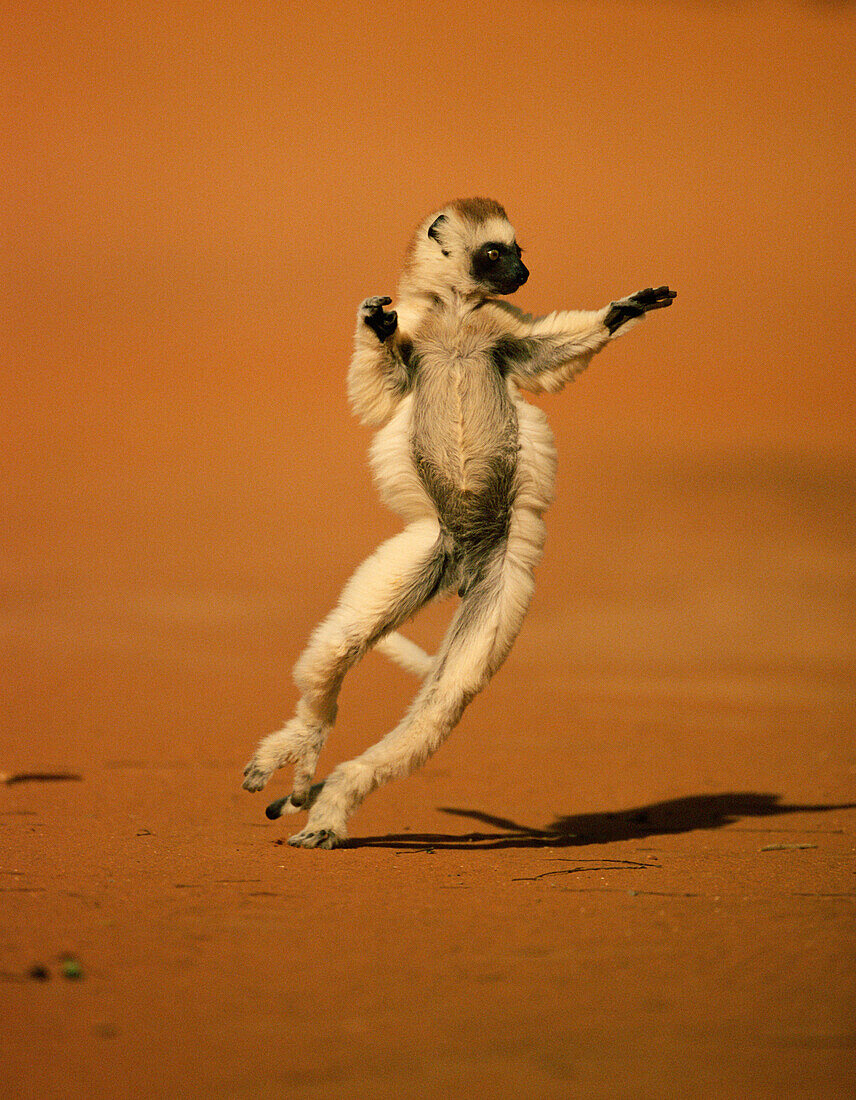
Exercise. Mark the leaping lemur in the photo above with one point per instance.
(470, 466)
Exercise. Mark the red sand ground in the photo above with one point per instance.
(630, 872)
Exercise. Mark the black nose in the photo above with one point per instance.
(522, 273)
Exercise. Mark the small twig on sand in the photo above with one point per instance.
(602, 865)
(785, 847)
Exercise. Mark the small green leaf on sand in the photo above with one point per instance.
(71, 968)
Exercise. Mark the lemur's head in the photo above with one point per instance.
(467, 247)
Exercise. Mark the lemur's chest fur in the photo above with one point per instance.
(464, 430)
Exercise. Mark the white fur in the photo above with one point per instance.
(406, 653)
(469, 432)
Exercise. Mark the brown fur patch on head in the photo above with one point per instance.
(475, 211)
(478, 209)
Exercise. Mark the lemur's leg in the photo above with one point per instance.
(477, 642)
(400, 577)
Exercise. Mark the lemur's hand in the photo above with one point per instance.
(637, 304)
(382, 324)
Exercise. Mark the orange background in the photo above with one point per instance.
(198, 195)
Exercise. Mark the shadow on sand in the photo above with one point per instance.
(678, 815)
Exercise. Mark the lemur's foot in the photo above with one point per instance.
(298, 743)
(256, 776)
(293, 803)
(634, 305)
(382, 324)
(317, 838)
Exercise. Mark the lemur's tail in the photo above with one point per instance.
(405, 653)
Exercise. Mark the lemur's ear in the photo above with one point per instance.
(432, 228)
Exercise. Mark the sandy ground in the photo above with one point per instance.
(629, 875)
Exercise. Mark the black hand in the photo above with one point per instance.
(654, 297)
(636, 304)
(382, 324)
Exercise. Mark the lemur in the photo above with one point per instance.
(470, 466)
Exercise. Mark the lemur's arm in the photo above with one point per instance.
(379, 374)
(543, 353)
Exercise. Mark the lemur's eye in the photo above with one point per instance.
(493, 254)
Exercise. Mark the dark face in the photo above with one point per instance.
(499, 267)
